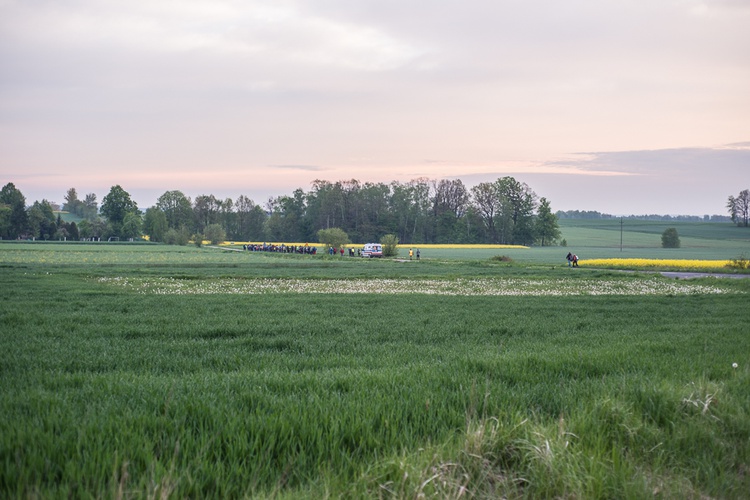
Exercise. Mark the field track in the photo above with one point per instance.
(687, 276)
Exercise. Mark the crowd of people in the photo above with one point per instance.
(282, 248)
(310, 250)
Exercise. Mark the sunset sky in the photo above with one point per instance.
(620, 106)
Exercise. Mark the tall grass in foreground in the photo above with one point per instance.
(106, 392)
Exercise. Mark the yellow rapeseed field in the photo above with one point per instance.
(656, 263)
(460, 247)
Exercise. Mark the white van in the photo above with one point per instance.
(372, 250)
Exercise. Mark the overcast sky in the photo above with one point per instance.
(620, 106)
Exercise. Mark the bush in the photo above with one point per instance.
(215, 234)
(502, 258)
(177, 236)
(334, 237)
(670, 238)
(740, 262)
(390, 245)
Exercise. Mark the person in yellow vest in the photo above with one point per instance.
(411, 253)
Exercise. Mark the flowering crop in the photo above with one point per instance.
(655, 263)
(463, 286)
(465, 247)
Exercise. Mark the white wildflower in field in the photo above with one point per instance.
(735, 365)
(456, 287)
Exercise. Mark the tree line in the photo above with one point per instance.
(420, 211)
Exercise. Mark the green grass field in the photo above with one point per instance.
(643, 238)
(597, 239)
(146, 370)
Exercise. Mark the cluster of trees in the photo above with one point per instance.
(420, 211)
(39, 220)
(87, 208)
(739, 208)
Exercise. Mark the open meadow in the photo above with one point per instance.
(160, 371)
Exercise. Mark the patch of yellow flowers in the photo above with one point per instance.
(656, 263)
(463, 247)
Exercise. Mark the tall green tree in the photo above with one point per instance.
(371, 217)
(72, 230)
(132, 225)
(14, 220)
(42, 220)
(518, 204)
(250, 220)
(73, 204)
(92, 229)
(420, 189)
(670, 238)
(155, 224)
(91, 210)
(487, 204)
(400, 208)
(177, 208)
(286, 222)
(449, 204)
(547, 229)
(115, 207)
(469, 228)
(206, 210)
(227, 217)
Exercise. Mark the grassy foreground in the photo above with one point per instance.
(155, 371)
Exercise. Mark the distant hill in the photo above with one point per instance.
(597, 238)
(589, 214)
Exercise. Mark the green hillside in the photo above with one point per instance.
(647, 234)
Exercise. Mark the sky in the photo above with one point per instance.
(620, 106)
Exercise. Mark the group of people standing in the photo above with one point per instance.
(265, 247)
(333, 251)
(311, 250)
(572, 260)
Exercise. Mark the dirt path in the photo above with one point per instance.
(686, 275)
